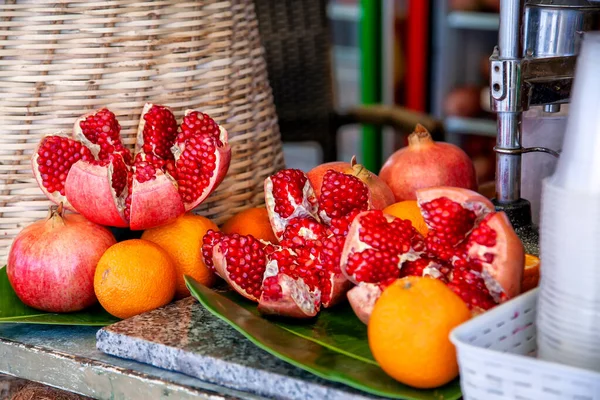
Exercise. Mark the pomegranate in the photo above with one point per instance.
(362, 299)
(51, 263)
(381, 194)
(303, 273)
(463, 102)
(469, 246)
(425, 163)
(464, 5)
(174, 169)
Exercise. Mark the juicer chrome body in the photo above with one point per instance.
(533, 65)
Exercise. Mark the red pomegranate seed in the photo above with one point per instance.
(160, 130)
(56, 155)
(342, 194)
(196, 123)
(288, 182)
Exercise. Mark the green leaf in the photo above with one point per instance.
(333, 346)
(12, 310)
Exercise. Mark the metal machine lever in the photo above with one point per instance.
(522, 150)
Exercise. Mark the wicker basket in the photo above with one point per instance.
(61, 59)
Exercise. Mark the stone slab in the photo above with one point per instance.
(184, 337)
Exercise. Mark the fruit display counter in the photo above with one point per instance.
(344, 285)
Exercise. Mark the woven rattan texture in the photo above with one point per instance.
(61, 59)
(296, 36)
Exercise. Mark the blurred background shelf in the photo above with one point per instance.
(343, 11)
(435, 60)
(470, 126)
(473, 20)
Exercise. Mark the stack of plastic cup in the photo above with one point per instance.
(568, 316)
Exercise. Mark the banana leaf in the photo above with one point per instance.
(333, 346)
(12, 310)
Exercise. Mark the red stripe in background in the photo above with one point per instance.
(416, 54)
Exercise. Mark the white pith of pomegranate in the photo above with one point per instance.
(471, 248)
(290, 288)
(289, 195)
(175, 167)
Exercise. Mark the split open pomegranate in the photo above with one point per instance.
(174, 168)
(331, 242)
(302, 273)
(469, 246)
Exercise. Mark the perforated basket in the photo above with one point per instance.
(496, 355)
(61, 59)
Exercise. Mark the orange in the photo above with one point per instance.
(134, 276)
(531, 273)
(409, 331)
(408, 209)
(182, 240)
(253, 221)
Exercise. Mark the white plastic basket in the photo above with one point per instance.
(496, 355)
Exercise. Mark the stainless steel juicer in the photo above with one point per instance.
(533, 65)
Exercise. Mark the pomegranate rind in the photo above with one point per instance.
(154, 203)
(362, 299)
(296, 301)
(88, 188)
(469, 199)
(139, 138)
(340, 285)
(503, 275)
(219, 261)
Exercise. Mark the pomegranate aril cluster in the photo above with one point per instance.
(342, 194)
(195, 168)
(197, 123)
(56, 155)
(246, 261)
(209, 240)
(288, 182)
(159, 132)
(103, 129)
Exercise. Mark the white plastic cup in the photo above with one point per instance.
(578, 167)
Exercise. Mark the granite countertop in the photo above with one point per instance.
(198, 355)
(67, 358)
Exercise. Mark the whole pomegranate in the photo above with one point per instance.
(51, 263)
(381, 194)
(425, 163)
(175, 167)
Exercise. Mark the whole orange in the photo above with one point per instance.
(408, 209)
(408, 331)
(253, 221)
(531, 273)
(182, 240)
(134, 276)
